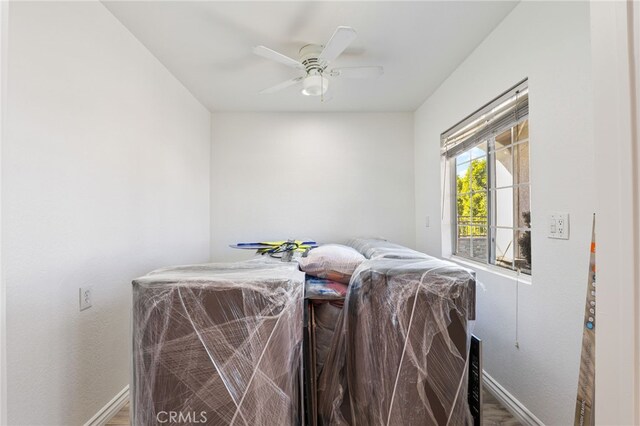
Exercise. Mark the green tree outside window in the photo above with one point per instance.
(472, 206)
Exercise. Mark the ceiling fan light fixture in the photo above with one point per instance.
(315, 85)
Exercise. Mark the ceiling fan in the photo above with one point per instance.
(314, 62)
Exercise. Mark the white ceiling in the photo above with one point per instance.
(207, 46)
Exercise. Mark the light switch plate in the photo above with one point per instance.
(558, 226)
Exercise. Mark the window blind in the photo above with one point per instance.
(503, 112)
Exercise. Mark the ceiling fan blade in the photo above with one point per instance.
(357, 72)
(281, 86)
(265, 52)
(341, 38)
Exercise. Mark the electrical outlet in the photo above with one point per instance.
(86, 298)
(559, 226)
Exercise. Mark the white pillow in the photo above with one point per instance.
(332, 261)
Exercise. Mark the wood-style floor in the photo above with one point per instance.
(493, 414)
(122, 418)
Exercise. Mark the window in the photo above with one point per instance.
(488, 156)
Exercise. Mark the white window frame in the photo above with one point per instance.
(489, 263)
(491, 201)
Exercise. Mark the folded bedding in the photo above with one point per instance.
(331, 261)
(323, 289)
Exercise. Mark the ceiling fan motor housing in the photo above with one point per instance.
(309, 58)
(314, 84)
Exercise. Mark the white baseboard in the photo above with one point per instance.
(111, 409)
(515, 407)
(508, 401)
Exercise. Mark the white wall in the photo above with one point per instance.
(326, 176)
(549, 43)
(4, 30)
(105, 176)
(615, 74)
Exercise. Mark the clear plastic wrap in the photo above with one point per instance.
(399, 354)
(218, 344)
(323, 289)
(325, 317)
(375, 248)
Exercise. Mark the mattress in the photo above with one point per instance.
(218, 344)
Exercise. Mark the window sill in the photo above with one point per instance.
(490, 269)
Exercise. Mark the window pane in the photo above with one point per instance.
(478, 209)
(479, 151)
(523, 204)
(503, 139)
(524, 252)
(463, 178)
(464, 209)
(504, 247)
(464, 241)
(478, 231)
(504, 207)
(522, 131)
(503, 172)
(479, 244)
(478, 174)
(465, 157)
(521, 160)
(464, 231)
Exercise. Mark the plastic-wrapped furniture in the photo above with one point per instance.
(373, 248)
(218, 344)
(399, 355)
(322, 308)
